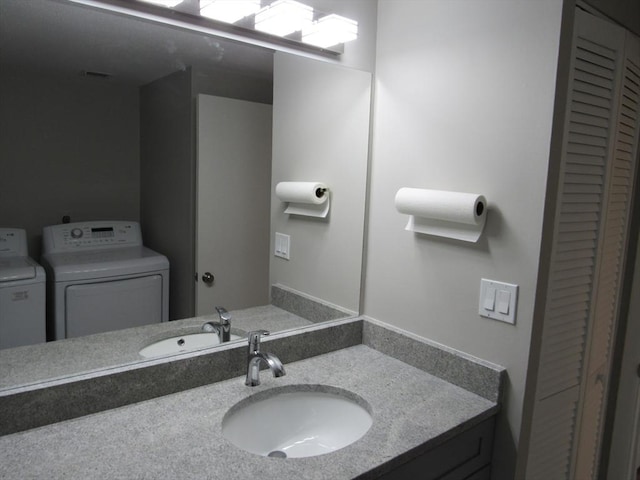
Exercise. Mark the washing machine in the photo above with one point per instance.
(100, 277)
(22, 292)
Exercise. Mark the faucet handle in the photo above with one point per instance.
(254, 339)
(224, 315)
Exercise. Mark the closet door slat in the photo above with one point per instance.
(584, 184)
(607, 294)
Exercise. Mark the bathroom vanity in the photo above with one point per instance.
(432, 412)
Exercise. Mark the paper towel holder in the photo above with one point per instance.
(311, 199)
(456, 215)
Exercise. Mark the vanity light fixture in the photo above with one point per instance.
(229, 11)
(293, 21)
(330, 30)
(165, 3)
(284, 17)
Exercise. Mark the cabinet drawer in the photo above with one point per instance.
(464, 457)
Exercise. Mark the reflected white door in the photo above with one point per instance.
(233, 181)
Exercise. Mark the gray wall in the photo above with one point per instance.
(167, 167)
(68, 146)
(464, 102)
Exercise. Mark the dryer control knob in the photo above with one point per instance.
(76, 233)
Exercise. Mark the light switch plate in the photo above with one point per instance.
(498, 300)
(282, 245)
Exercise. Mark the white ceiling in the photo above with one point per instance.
(62, 38)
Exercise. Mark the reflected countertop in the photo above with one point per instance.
(34, 363)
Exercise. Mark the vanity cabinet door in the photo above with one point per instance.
(465, 457)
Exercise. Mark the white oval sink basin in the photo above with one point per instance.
(297, 421)
(182, 343)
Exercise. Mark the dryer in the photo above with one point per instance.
(102, 278)
(22, 292)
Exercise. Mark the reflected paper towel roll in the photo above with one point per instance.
(304, 198)
(445, 214)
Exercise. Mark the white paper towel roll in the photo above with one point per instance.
(302, 192)
(446, 214)
(304, 198)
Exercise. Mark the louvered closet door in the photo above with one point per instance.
(612, 253)
(589, 134)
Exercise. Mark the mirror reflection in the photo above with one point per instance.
(116, 124)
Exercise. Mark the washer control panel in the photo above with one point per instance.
(13, 242)
(90, 235)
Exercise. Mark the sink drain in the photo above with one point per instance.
(277, 454)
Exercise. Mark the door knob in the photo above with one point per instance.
(208, 278)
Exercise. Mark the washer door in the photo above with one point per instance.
(105, 306)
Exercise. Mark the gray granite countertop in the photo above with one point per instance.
(34, 363)
(179, 435)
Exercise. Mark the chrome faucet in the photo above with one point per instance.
(222, 328)
(256, 357)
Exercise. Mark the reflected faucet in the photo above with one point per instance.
(222, 328)
(256, 357)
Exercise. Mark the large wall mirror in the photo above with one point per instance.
(105, 116)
